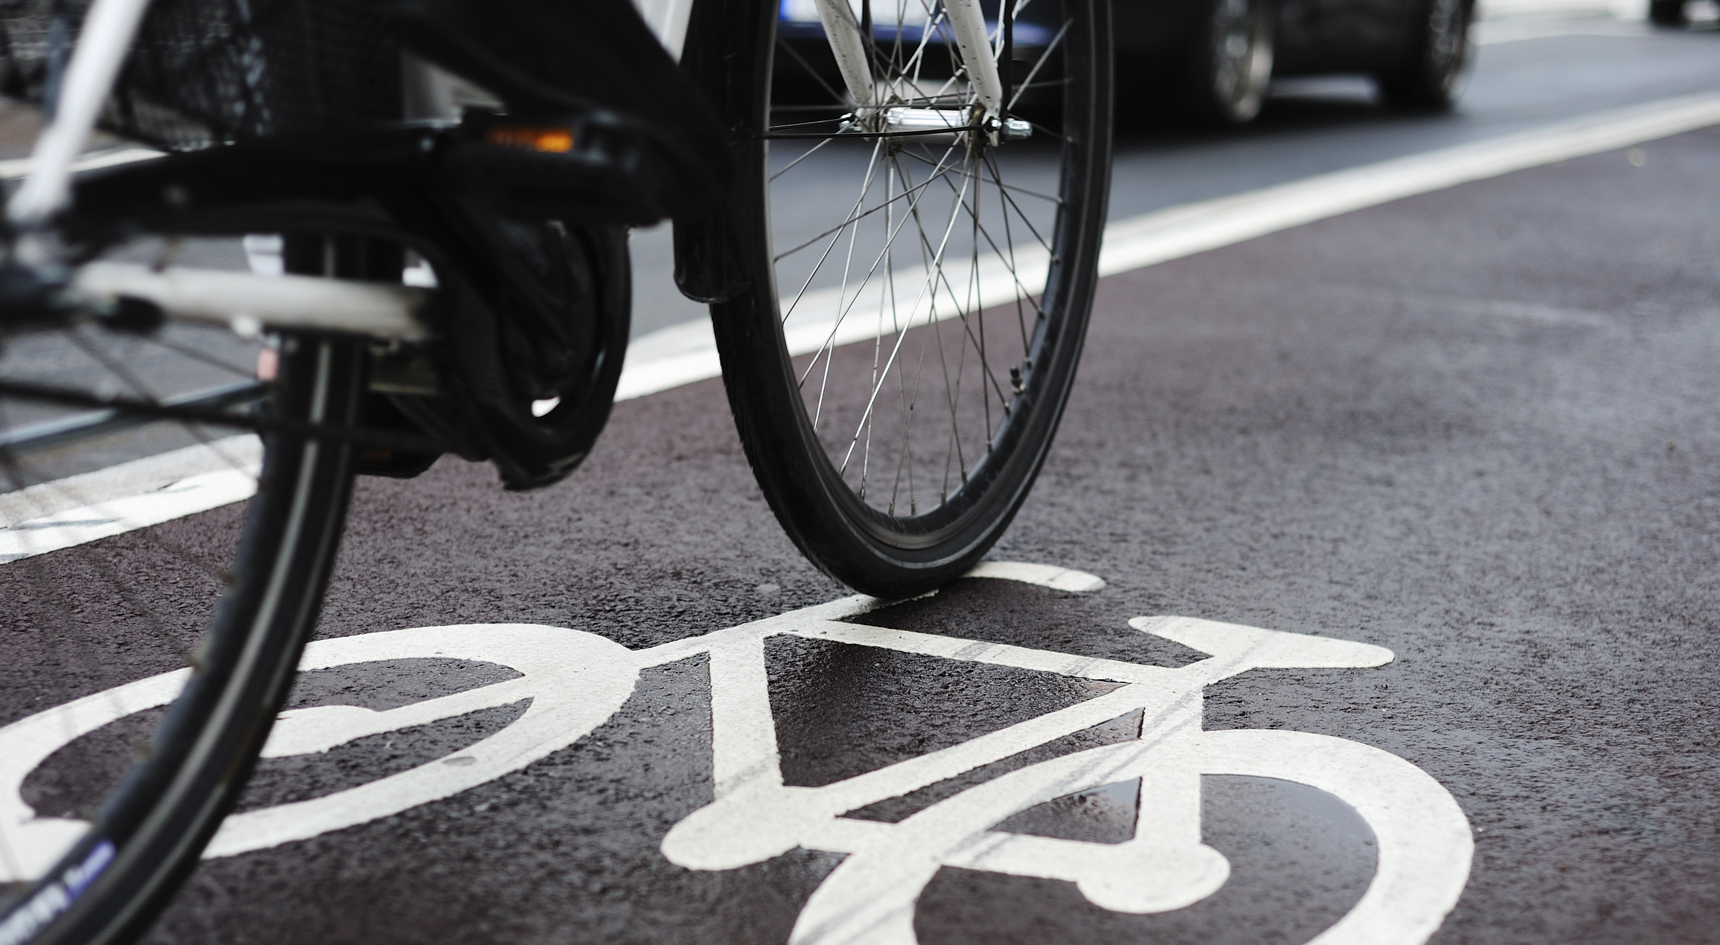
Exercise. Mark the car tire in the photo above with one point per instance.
(1667, 13)
(1230, 61)
(1435, 65)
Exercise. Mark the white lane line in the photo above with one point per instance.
(685, 353)
(1614, 10)
(112, 501)
(1184, 231)
(1499, 32)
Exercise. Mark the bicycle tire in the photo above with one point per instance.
(150, 829)
(818, 498)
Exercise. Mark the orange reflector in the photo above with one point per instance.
(552, 140)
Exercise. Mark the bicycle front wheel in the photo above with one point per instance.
(96, 836)
(917, 297)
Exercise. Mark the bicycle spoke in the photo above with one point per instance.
(792, 164)
(931, 284)
(1044, 58)
(975, 302)
(963, 310)
(956, 232)
(882, 258)
(851, 220)
(1049, 132)
(808, 69)
(835, 235)
(238, 370)
(1009, 240)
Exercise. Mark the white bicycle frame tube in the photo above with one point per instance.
(247, 303)
(849, 47)
(96, 61)
(967, 22)
(668, 21)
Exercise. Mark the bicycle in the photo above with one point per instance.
(577, 681)
(449, 188)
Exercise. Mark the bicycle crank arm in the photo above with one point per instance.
(248, 303)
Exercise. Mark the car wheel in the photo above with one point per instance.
(1230, 62)
(1432, 74)
(1666, 12)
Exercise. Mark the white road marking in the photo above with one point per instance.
(1044, 575)
(686, 353)
(129, 496)
(1517, 30)
(556, 664)
(1554, 10)
(1183, 231)
(576, 681)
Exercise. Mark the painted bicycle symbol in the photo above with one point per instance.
(576, 681)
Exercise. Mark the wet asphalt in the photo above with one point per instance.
(1477, 427)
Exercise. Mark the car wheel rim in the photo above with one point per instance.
(1241, 58)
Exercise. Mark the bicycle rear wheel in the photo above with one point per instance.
(98, 836)
(916, 301)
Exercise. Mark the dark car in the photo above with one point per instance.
(1213, 59)
(1216, 56)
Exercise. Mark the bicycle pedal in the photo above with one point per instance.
(412, 375)
(397, 376)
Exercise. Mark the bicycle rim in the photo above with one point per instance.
(918, 301)
(97, 836)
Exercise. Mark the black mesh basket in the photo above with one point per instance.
(205, 72)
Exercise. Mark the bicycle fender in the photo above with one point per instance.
(725, 51)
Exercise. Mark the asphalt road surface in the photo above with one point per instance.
(1474, 427)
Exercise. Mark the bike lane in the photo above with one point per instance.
(1473, 427)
